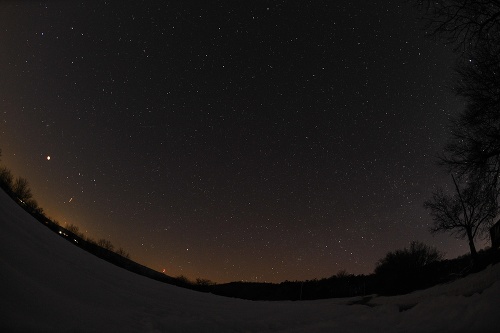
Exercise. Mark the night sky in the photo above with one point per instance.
(230, 140)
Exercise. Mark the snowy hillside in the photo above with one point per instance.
(47, 284)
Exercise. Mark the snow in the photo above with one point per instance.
(47, 284)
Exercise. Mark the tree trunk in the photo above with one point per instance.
(473, 252)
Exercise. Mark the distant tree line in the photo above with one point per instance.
(401, 271)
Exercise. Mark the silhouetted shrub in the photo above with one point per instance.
(404, 270)
(409, 259)
(204, 282)
(123, 253)
(90, 240)
(342, 274)
(183, 281)
(32, 206)
(105, 244)
(73, 228)
(21, 189)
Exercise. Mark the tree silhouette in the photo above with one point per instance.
(33, 207)
(405, 270)
(21, 189)
(123, 253)
(473, 153)
(408, 260)
(474, 28)
(106, 244)
(466, 214)
(6, 179)
(464, 23)
(474, 150)
(73, 228)
(204, 282)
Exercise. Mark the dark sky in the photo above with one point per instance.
(230, 140)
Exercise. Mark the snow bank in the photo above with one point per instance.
(50, 285)
(467, 286)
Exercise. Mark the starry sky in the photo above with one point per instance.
(230, 140)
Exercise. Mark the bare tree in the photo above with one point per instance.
(33, 207)
(123, 253)
(6, 178)
(106, 244)
(73, 228)
(475, 145)
(464, 23)
(21, 189)
(466, 214)
(474, 28)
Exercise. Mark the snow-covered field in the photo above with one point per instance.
(49, 285)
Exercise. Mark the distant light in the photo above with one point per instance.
(48, 158)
